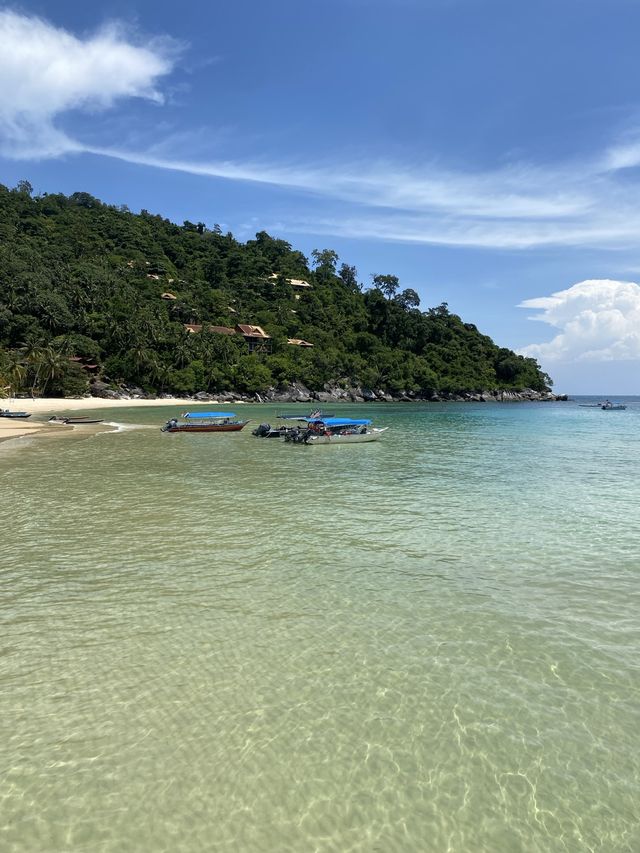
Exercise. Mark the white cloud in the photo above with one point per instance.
(599, 320)
(46, 71)
(518, 207)
(513, 193)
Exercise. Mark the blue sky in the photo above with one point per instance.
(485, 151)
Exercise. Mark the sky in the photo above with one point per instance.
(487, 152)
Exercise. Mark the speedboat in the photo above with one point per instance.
(336, 431)
(267, 431)
(204, 422)
(283, 429)
(606, 406)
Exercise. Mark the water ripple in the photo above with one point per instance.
(428, 643)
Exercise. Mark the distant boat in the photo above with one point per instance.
(204, 422)
(606, 406)
(5, 413)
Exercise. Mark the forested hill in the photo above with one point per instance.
(89, 290)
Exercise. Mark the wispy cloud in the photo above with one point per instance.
(515, 192)
(519, 207)
(46, 71)
(599, 320)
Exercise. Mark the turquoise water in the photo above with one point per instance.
(429, 643)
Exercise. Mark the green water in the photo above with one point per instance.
(429, 643)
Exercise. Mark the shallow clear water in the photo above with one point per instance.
(428, 643)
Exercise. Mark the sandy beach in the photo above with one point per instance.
(47, 406)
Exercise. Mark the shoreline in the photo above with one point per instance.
(18, 428)
(14, 429)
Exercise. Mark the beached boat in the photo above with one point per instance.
(204, 422)
(71, 421)
(5, 413)
(335, 431)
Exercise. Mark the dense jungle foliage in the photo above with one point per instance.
(81, 295)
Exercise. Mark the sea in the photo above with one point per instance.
(429, 643)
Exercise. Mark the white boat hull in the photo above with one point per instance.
(611, 407)
(350, 438)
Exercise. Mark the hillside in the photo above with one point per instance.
(90, 291)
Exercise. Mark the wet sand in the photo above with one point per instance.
(42, 408)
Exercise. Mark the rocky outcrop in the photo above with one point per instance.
(339, 393)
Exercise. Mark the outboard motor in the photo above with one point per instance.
(262, 430)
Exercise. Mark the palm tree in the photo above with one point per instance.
(182, 352)
(54, 364)
(32, 352)
(17, 372)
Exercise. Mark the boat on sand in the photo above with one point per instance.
(5, 413)
(75, 421)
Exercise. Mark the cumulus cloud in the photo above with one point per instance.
(599, 320)
(46, 71)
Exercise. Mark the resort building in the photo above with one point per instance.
(256, 338)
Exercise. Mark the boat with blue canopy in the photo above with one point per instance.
(336, 431)
(205, 422)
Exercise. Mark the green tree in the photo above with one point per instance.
(251, 376)
(408, 299)
(325, 261)
(387, 284)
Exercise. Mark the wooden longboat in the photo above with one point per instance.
(71, 421)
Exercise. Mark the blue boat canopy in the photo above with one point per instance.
(339, 421)
(196, 415)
